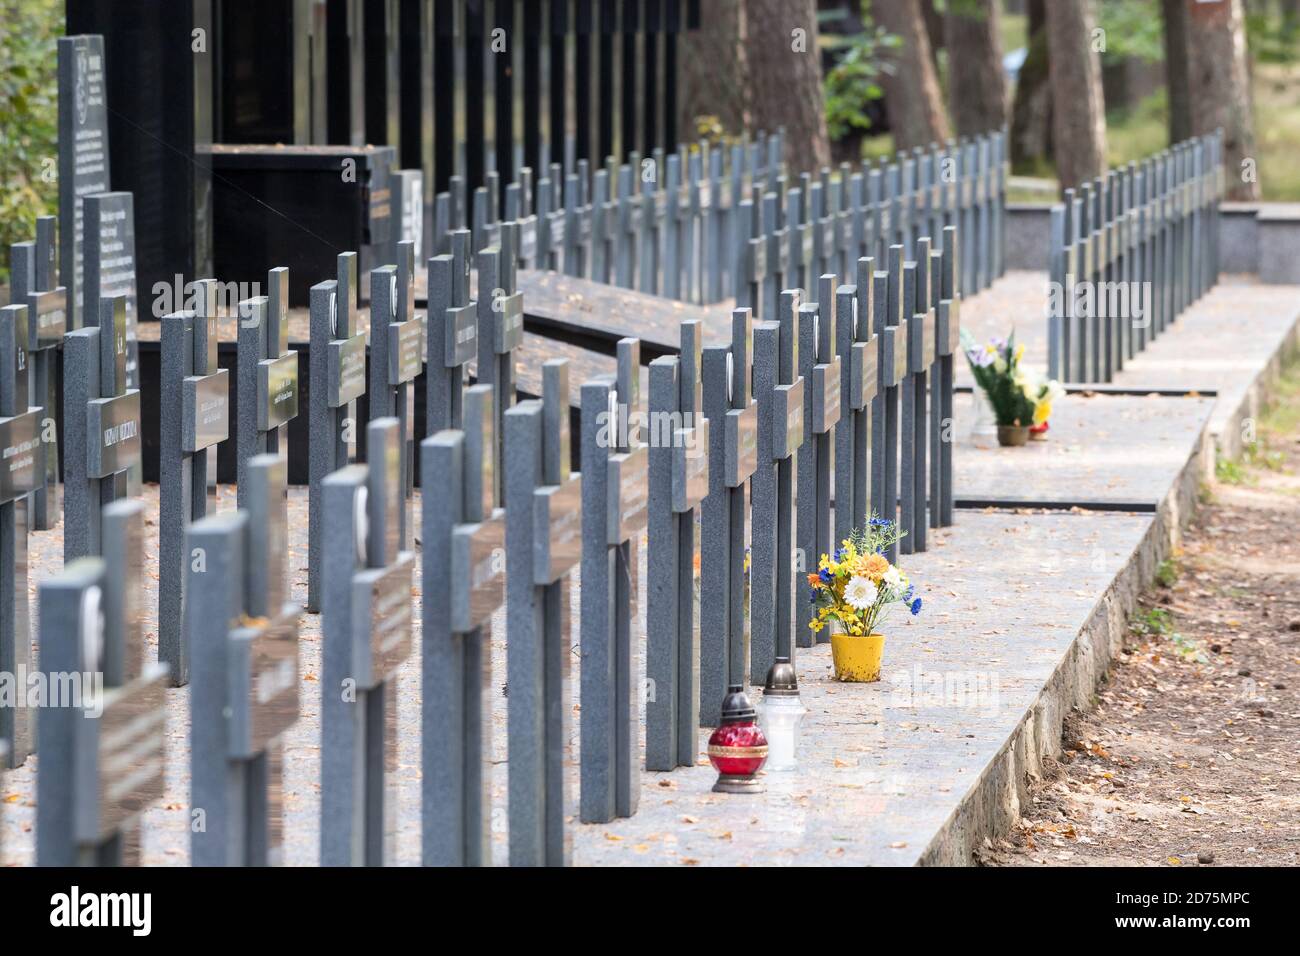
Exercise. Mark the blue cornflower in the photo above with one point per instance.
(826, 576)
(812, 595)
(916, 607)
(907, 595)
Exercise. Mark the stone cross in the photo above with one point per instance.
(780, 393)
(625, 228)
(101, 759)
(453, 336)
(948, 347)
(104, 442)
(615, 498)
(675, 228)
(338, 374)
(267, 376)
(500, 331)
(544, 527)
(195, 418)
(821, 371)
(751, 258)
(603, 219)
(397, 358)
(733, 458)
(915, 416)
(645, 175)
(244, 694)
(366, 631)
(679, 480)
(24, 471)
(463, 537)
(33, 266)
(860, 356)
(892, 329)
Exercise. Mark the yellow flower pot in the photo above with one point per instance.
(857, 659)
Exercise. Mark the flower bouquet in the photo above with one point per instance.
(855, 588)
(1021, 401)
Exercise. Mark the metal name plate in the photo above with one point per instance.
(112, 434)
(690, 465)
(787, 420)
(405, 351)
(886, 221)
(508, 330)
(827, 227)
(740, 445)
(381, 618)
(347, 370)
(277, 391)
(263, 691)
(47, 318)
(629, 494)
(825, 396)
(949, 327)
(478, 572)
(461, 343)
(557, 530)
(22, 467)
(118, 771)
(864, 359)
(806, 243)
(205, 411)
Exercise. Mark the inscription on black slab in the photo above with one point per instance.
(83, 151)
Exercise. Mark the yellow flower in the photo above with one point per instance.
(1020, 351)
(1042, 411)
(816, 626)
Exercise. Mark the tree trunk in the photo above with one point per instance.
(977, 88)
(1220, 89)
(785, 78)
(1174, 13)
(1031, 112)
(933, 20)
(1078, 111)
(912, 94)
(713, 79)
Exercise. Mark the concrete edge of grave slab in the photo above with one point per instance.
(1227, 423)
(992, 805)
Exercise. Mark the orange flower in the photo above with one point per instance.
(814, 581)
(873, 566)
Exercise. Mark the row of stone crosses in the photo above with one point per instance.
(799, 385)
(676, 226)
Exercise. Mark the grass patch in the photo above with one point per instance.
(1229, 472)
(1168, 572)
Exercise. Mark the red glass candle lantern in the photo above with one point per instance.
(737, 749)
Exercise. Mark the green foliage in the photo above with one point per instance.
(1229, 472)
(854, 81)
(1133, 29)
(1272, 39)
(28, 117)
(996, 369)
(1167, 573)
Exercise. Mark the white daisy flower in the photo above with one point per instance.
(860, 593)
(892, 578)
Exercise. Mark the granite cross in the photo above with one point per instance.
(104, 441)
(366, 613)
(24, 456)
(101, 757)
(244, 694)
(678, 481)
(463, 577)
(195, 418)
